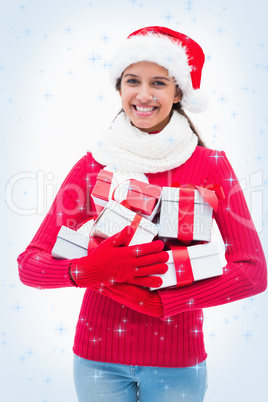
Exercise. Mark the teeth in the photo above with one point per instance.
(144, 109)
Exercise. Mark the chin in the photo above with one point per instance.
(144, 128)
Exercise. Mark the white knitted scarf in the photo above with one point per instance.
(127, 150)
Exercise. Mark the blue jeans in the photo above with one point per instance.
(109, 382)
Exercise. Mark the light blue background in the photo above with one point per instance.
(54, 99)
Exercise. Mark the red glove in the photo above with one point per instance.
(110, 263)
(138, 298)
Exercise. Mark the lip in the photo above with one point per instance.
(144, 113)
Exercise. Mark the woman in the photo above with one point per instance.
(130, 339)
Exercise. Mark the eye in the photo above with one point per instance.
(159, 83)
(132, 81)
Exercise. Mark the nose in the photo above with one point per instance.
(144, 93)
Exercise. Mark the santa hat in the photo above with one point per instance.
(179, 54)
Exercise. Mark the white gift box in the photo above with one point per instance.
(115, 217)
(70, 244)
(200, 229)
(205, 263)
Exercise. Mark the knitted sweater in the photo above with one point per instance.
(106, 330)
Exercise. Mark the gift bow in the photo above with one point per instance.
(211, 193)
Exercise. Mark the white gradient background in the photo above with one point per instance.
(54, 100)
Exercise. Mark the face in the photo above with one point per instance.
(147, 95)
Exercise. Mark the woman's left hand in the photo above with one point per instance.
(136, 297)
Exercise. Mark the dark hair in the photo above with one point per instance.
(176, 107)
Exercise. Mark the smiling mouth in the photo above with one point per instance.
(144, 109)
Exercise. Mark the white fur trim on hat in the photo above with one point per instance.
(161, 50)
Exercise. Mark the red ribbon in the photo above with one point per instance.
(136, 220)
(183, 268)
(93, 243)
(125, 204)
(134, 224)
(186, 215)
(211, 194)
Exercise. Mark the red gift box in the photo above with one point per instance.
(105, 185)
(142, 198)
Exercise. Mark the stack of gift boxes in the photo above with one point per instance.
(181, 216)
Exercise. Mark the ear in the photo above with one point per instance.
(120, 92)
(178, 95)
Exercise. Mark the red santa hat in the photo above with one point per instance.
(179, 54)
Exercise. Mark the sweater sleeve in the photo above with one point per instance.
(71, 207)
(245, 274)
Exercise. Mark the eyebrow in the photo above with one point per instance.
(154, 78)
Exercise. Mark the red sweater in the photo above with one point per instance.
(106, 330)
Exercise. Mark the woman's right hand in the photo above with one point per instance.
(114, 262)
